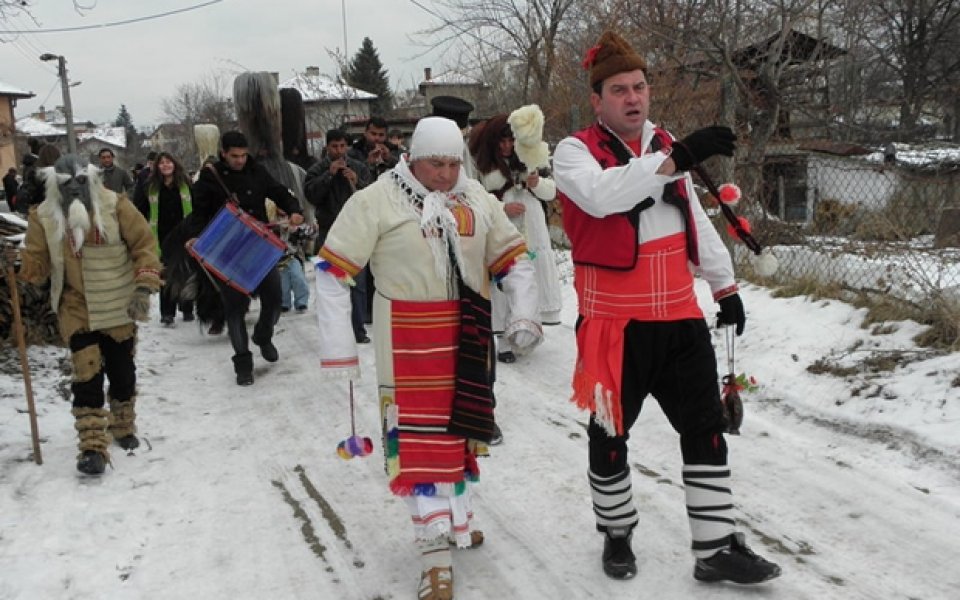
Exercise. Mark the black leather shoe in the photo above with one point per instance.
(245, 378)
(507, 357)
(618, 559)
(363, 339)
(738, 564)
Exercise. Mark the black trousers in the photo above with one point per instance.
(115, 361)
(168, 306)
(675, 363)
(235, 305)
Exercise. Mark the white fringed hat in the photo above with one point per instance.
(436, 137)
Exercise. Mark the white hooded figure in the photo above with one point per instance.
(511, 160)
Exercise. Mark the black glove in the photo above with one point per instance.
(731, 312)
(701, 145)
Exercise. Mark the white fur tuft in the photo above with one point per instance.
(78, 221)
(207, 137)
(527, 125)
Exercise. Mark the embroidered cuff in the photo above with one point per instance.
(501, 266)
(340, 262)
(727, 291)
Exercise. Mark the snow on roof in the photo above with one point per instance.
(116, 136)
(921, 155)
(320, 88)
(9, 90)
(34, 127)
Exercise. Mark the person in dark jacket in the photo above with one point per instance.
(251, 185)
(33, 191)
(328, 185)
(165, 200)
(372, 148)
(10, 187)
(114, 178)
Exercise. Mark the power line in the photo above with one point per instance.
(112, 23)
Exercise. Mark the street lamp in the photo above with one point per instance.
(67, 107)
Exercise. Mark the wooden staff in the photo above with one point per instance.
(24, 365)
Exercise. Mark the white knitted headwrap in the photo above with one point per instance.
(436, 137)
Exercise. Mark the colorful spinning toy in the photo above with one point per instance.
(354, 445)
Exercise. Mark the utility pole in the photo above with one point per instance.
(67, 106)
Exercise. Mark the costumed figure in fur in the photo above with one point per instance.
(512, 161)
(184, 279)
(293, 124)
(99, 255)
(433, 239)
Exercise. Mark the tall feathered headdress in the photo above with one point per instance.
(527, 125)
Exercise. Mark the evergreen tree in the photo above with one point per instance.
(126, 121)
(366, 72)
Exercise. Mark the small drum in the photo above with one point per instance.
(237, 249)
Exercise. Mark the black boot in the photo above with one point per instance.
(128, 442)
(737, 563)
(243, 366)
(91, 462)
(619, 561)
(267, 350)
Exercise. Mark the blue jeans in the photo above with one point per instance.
(293, 279)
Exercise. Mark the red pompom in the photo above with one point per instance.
(744, 223)
(590, 57)
(729, 194)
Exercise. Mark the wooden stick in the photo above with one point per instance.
(24, 365)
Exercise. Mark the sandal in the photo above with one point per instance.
(436, 584)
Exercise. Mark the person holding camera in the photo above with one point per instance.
(328, 185)
(372, 148)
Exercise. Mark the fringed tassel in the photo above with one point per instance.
(589, 394)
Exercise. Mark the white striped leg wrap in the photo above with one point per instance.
(613, 500)
(435, 553)
(709, 507)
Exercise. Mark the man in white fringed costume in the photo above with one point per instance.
(433, 238)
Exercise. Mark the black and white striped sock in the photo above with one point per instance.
(709, 507)
(613, 501)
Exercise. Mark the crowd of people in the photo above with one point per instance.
(440, 252)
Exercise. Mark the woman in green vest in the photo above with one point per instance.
(165, 200)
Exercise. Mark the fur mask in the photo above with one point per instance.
(72, 183)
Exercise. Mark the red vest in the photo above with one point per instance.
(611, 241)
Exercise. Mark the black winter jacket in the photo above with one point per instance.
(252, 186)
(328, 193)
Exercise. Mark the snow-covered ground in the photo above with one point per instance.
(849, 482)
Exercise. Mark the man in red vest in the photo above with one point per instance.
(638, 235)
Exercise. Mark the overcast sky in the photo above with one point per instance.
(141, 63)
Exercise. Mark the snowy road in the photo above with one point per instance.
(238, 493)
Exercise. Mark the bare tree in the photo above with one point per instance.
(526, 30)
(918, 41)
(207, 100)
